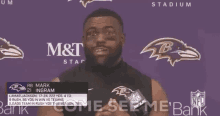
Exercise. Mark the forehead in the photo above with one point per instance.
(101, 22)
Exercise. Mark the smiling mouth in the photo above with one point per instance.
(101, 51)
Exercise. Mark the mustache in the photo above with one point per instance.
(100, 46)
(111, 58)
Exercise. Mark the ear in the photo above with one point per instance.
(123, 39)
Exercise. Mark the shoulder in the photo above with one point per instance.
(56, 79)
(133, 71)
(158, 92)
(159, 98)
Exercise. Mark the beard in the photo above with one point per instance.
(106, 61)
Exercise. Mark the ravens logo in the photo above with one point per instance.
(173, 49)
(122, 91)
(85, 2)
(8, 50)
(18, 87)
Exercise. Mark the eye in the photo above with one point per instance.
(110, 33)
(91, 33)
(109, 30)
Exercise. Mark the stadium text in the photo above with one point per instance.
(6, 2)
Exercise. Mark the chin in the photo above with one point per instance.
(101, 60)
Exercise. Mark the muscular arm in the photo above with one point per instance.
(159, 95)
(50, 110)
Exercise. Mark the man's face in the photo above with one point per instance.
(103, 40)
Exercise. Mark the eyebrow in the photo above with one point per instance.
(106, 27)
(90, 28)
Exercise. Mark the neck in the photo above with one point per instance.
(89, 63)
(117, 61)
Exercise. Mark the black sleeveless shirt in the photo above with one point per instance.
(102, 81)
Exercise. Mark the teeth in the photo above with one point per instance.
(98, 50)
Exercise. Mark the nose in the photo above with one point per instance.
(101, 37)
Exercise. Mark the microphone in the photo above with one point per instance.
(137, 103)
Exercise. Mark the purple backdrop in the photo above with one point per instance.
(31, 24)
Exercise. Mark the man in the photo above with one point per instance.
(107, 73)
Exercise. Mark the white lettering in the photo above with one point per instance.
(186, 111)
(2, 110)
(112, 105)
(203, 110)
(50, 48)
(3, 2)
(64, 61)
(121, 104)
(76, 62)
(67, 49)
(151, 105)
(162, 106)
(96, 105)
(196, 108)
(8, 109)
(24, 109)
(174, 108)
(10, 2)
(77, 48)
(153, 4)
(188, 4)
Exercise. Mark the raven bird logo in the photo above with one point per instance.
(85, 2)
(8, 50)
(18, 87)
(173, 49)
(122, 91)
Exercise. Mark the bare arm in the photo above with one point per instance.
(50, 110)
(159, 96)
